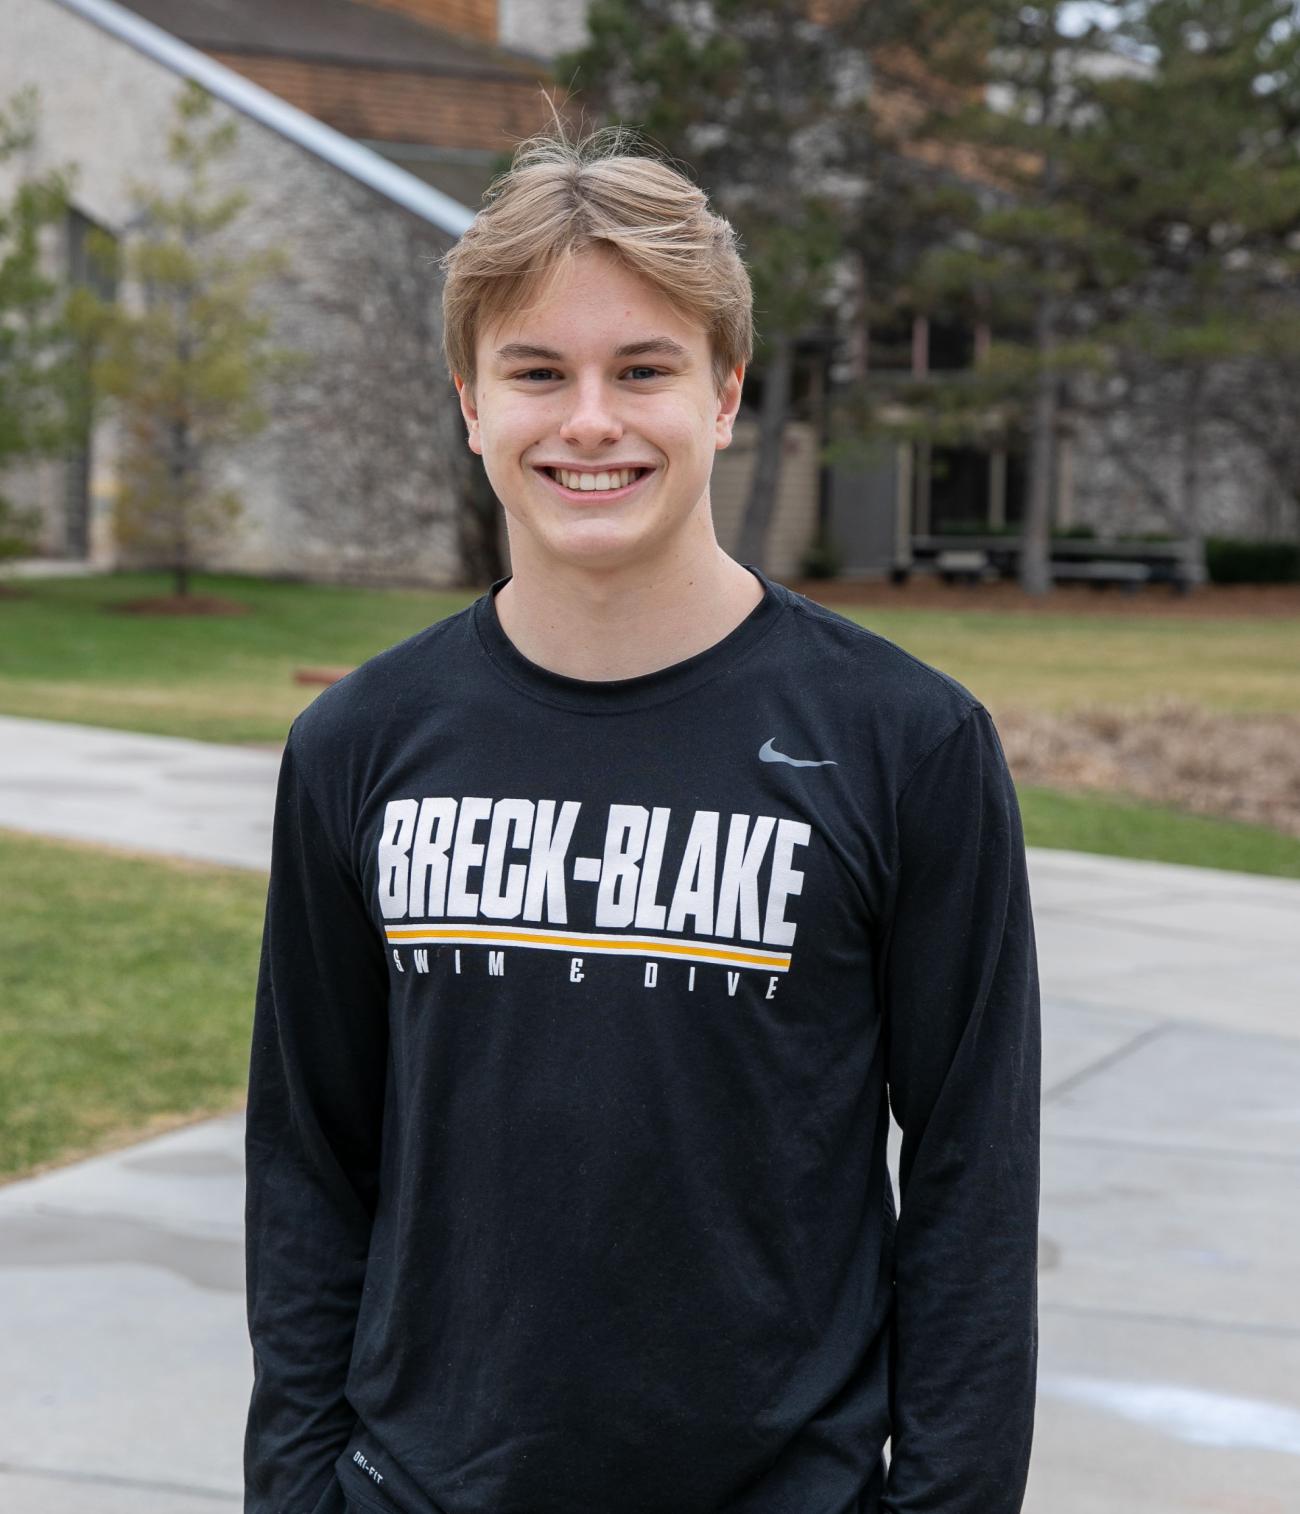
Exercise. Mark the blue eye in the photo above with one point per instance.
(638, 368)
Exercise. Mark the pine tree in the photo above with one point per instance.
(767, 102)
(1011, 95)
(1129, 227)
(1197, 164)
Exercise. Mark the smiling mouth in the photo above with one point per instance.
(613, 484)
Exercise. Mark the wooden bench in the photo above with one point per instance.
(1128, 576)
(955, 566)
(1102, 562)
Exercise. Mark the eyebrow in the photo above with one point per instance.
(664, 346)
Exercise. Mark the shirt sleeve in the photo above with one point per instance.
(961, 996)
(316, 1087)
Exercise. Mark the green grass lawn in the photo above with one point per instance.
(126, 996)
(1061, 662)
(1119, 827)
(64, 655)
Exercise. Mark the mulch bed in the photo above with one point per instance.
(321, 676)
(1169, 751)
(1228, 766)
(1203, 601)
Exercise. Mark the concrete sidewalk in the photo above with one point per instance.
(1169, 1319)
(148, 793)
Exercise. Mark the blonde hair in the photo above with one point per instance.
(559, 198)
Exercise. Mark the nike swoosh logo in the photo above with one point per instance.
(768, 753)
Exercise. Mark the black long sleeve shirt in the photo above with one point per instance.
(581, 1010)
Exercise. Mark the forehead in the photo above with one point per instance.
(596, 306)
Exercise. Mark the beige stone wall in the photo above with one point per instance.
(794, 521)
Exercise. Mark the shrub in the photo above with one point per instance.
(821, 559)
(19, 530)
(1234, 560)
(978, 528)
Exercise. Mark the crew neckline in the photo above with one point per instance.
(616, 694)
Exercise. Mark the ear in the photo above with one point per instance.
(729, 403)
(469, 410)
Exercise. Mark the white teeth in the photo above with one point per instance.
(589, 482)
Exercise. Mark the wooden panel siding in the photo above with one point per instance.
(467, 18)
(397, 105)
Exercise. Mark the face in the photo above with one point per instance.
(605, 375)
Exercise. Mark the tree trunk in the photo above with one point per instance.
(478, 529)
(759, 508)
(1035, 535)
(1190, 471)
(1035, 549)
(1272, 514)
(179, 470)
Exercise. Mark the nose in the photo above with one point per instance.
(591, 420)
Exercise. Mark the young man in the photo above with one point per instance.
(607, 921)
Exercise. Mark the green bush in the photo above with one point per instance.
(978, 528)
(1234, 560)
(18, 530)
(821, 559)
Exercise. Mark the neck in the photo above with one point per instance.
(625, 622)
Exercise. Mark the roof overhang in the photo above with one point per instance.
(277, 115)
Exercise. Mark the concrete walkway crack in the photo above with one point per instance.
(1116, 1054)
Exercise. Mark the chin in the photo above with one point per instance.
(600, 544)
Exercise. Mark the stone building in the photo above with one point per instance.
(366, 135)
(361, 470)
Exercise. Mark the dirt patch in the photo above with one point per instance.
(1233, 767)
(1204, 601)
(179, 604)
(322, 676)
